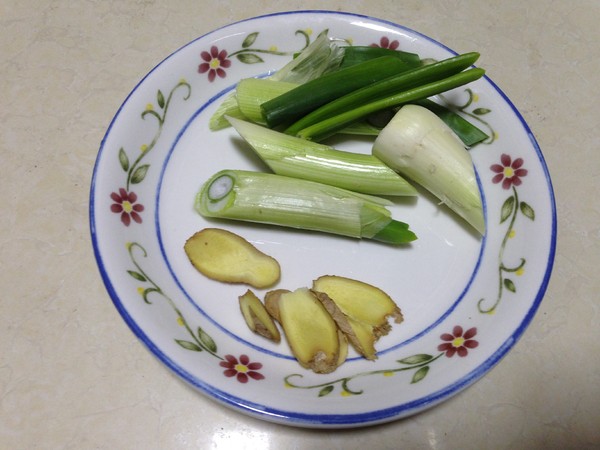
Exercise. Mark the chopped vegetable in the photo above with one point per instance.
(224, 256)
(356, 54)
(295, 157)
(323, 55)
(385, 88)
(465, 130)
(421, 147)
(257, 317)
(308, 96)
(285, 201)
(365, 308)
(310, 331)
(253, 92)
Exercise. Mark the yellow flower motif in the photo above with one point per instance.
(495, 135)
(128, 245)
(287, 385)
(512, 234)
(475, 97)
(144, 148)
(350, 41)
(273, 48)
(149, 107)
(389, 373)
(308, 31)
(345, 394)
(182, 81)
(180, 321)
(141, 291)
(520, 271)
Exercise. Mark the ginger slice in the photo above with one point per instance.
(224, 256)
(311, 332)
(257, 318)
(364, 311)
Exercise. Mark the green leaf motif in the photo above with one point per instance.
(139, 174)
(249, 58)
(250, 40)
(508, 284)
(160, 98)
(123, 159)
(420, 374)
(138, 276)
(507, 209)
(527, 210)
(481, 111)
(188, 345)
(147, 292)
(208, 342)
(416, 359)
(325, 391)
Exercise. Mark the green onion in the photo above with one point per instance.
(299, 158)
(252, 92)
(385, 88)
(303, 99)
(228, 107)
(323, 55)
(277, 200)
(465, 130)
(356, 54)
(421, 147)
(328, 127)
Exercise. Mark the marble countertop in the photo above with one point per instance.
(73, 376)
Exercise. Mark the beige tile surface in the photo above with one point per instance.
(73, 376)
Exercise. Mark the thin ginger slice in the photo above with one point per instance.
(363, 311)
(257, 317)
(224, 256)
(312, 334)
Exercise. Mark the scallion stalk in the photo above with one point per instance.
(278, 200)
(421, 147)
(308, 96)
(322, 56)
(356, 54)
(386, 88)
(330, 126)
(299, 158)
(252, 92)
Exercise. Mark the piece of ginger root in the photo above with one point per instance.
(257, 317)
(224, 256)
(360, 310)
(312, 334)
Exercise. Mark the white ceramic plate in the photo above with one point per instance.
(466, 300)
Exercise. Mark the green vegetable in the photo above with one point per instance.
(465, 130)
(296, 103)
(328, 127)
(422, 148)
(323, 55)
(298, 158)
(356, 54)
(385, 88)
(252, 92)
(290, 202)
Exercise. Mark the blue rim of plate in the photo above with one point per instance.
(290, 417)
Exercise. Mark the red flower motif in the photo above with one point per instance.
(214, 63)
(385, 42)
(458, 342)
(125, 204)
(242, 368)
(509, 171)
